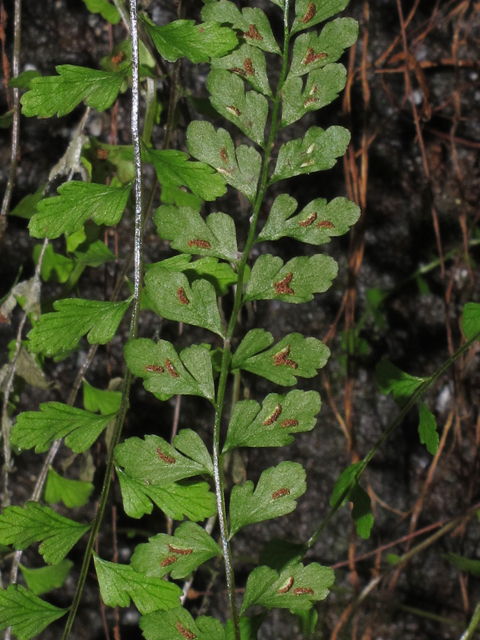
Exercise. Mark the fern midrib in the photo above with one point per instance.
(226, 356)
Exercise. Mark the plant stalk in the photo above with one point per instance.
(226, 356)
(138, 268)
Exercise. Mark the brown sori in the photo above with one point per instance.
(203, 244)
(274, 416)
(282, 287)
(279, 493)
(252, 33)
(233, 110)
(309, 101)
(164, 457)
(301, 591)
(308, 221)
(287, 586)
(240, 72)
(168, 561)
(310, 13)
(182, 297)
(290, 423)
(178, 551)
(154, 368)
(325, 224)
(312, 56)
(170, 369)
(249, 67)
(185, 632)
(282, 358)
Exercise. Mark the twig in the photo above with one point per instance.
(17, 31)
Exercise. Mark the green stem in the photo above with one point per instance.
(473, 624)
(417, 395)
(241, 265)
(133, 323)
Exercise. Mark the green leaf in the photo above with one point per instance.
(427, 429)
(108, 11)
(179, 554)
(190, 233)
(55, 267)
(27, 207)
(249, 627)
(316, 152)
(156, 462)
(393, 559)
(279, 554)
(178, 624)
(77, 202)
(46, 579)
(119, 582)
(25, 613)
(248, 111)
(362, 509)
(308, 13)
(22, 81)
(28, 368)
(6, 120)
(73, 493)
(175, 171)
(96, 254)
(294, 356)
(312, 51)
(275, 495)
(253, 23)
(271, 424)
(61, 94)
(165, 373)
(240, 167)
(106, 159)
(464, 564)
(296, 588)
(307, 621)
(55, 420)
(21, 526)
(248, 63)
(391, 378)
(220, 274)
(107, 402)
(315, 224)
(190, 499)
(322, 88)
(294, 282)
(60, 332)
(345, 481)
(198, 43)
(191, 444)
(173, 298)
(471, 320)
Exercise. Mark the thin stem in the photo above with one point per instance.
(138, 267)
(416, 396)
(473, 624)
(219, 488)
(17, 32)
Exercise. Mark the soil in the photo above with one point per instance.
(407, 184)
